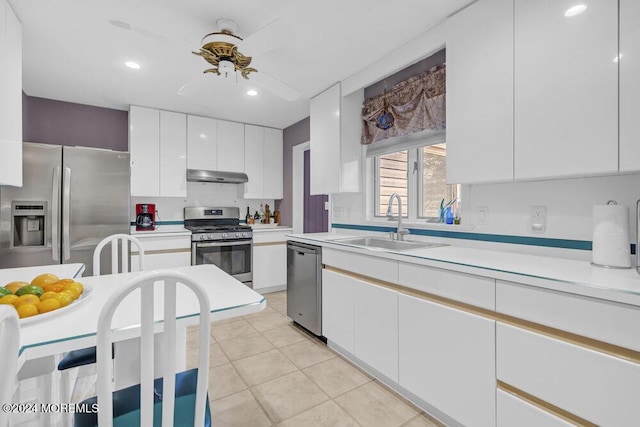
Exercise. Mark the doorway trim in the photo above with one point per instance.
(297, 187)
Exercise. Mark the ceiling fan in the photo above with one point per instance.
(225, 52)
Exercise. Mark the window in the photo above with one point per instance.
(419, 176)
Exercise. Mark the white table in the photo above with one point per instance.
(74, 327)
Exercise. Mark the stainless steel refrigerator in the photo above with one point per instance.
(71, 198)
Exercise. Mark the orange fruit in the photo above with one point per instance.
(47, 295)
(72, 294)
(27, 299)
(54, 287)
(45, 279)
(64, 298)
(75, 287)
(9, 299)
(27, 310)
(14, 286)
(48, 305)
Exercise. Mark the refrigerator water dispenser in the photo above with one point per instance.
(28, 222)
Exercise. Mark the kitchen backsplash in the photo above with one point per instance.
(199, 194)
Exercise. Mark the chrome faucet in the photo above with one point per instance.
(400, 232)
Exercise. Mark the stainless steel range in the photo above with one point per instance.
(218, 238)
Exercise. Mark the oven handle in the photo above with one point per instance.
(218, 244)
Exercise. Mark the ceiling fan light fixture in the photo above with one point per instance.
(226, 68)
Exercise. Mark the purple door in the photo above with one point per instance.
(316, 218)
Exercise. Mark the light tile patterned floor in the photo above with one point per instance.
(266, 371)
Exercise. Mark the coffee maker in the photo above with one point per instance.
(145, 217)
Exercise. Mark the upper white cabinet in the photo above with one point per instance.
(158, 149)
(10, 97)
(263, 163)
(324, 167)
(480, 93)
(230, 146)
(335, 161)
(629, 64)
(173, 154)
(566, 88)
(202, 143)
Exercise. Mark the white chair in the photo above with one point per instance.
(123, 239)
(87, 356)
(9, 347)
(182, 395)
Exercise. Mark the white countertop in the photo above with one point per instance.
(27, 274)
(259, 228)
(161, 231)
(578, 277)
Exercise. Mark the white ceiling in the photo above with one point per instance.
(72, 53)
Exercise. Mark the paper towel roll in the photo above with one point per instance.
(611, 236)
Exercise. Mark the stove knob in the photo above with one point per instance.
(211, 236)
(238, 234)
(245, 234)
(224, 235)
(203, 237)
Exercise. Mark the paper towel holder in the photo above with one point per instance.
(613, 267)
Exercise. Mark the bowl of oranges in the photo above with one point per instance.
(43, 297)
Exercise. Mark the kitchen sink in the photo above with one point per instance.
(382, 243)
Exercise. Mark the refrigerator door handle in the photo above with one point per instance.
(66, 208)
(55, 208)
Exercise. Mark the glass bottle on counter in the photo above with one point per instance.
(248, 216)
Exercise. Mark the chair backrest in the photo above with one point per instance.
(114, 239)
(9, 347)
(146, 283)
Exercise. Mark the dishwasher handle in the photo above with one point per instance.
(301, 250)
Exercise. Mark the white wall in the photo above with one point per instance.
(200, 194)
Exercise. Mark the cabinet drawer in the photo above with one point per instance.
(474, 290)
(374, 267)
(163, 243)
(606, 321)
(594, 386)
(513, 411)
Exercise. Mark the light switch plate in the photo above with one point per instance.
(483, 213)
(538, 219)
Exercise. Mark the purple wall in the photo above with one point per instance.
(295, 134)
(65, 123)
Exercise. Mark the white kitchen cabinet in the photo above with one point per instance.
(566, 89)
(629, 85)
(158, 150)
(447, 358)
(337, 309)
(325, 166)
(480, 93)
(162, 251)
(590, 384)
(10, 97)
(263, 163)
(376, 327)
(173, 154)
(269, 265)
(230, 146)
(202, 143)
(513, 411)
(144, 151)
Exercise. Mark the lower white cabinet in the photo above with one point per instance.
(269, 265)
(376, 327)
(447, 358)
(337, 309)
(592, 385)
(513, 411)
(162, 252)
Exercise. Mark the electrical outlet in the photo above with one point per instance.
(538, 219)
(483, 213)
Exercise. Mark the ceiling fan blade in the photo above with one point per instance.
(267, 38)
(275, 86)
(151, 34)
(193, 86)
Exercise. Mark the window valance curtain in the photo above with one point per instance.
(416, 104)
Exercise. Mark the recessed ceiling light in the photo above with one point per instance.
(575, 10)
(252, 92)
(133, 65)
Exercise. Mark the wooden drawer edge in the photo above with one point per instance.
(544, 405)
(579, 340)
(163, 251)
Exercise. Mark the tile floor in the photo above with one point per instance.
(266, 371)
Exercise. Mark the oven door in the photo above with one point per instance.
(233, 257)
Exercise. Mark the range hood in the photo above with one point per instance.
(199, 175)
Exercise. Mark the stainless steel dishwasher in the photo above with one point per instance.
(304, 285)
